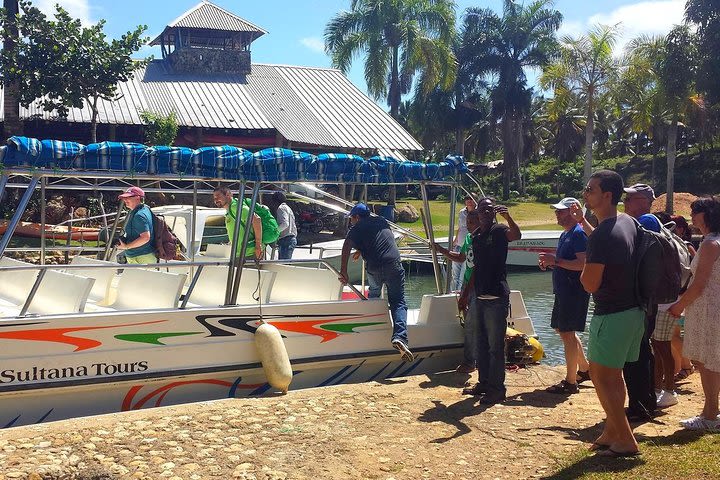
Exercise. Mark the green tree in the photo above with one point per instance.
(13, 124)
(64, 65)
(706, 15)
(523, 37)
(399, 38)
(159, 129)
(585, 68)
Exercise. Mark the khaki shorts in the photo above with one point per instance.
(615, 337)
(664, 324)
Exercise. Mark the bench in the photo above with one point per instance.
(210, 288)
(15, 285)
(58, 293)
(103, 277)
(303, 284)
(146, 289)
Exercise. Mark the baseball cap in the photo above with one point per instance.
(132, 192)
(642, 189)
(360, 209)
(565, 203)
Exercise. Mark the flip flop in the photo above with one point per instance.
(610, 453)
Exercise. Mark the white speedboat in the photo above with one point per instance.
(95, 337)
(524, 252)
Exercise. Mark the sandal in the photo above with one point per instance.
(583, 376)
(684, 373)
(564, 387)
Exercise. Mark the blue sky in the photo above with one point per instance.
(295, 27)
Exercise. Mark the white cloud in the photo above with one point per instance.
(76, 8)
(313, 43)
(649, 17)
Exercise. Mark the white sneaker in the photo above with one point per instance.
(701, 423)
(667, 398)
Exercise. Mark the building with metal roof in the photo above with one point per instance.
(219, 96)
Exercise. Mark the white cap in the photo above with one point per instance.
(565, 203)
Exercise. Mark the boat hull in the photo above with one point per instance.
(54, 232)
(62, 366)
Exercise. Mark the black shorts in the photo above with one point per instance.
(569, 312)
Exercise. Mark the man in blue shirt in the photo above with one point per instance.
(371, 236)
(640, 375)
(137, 242)
(570, 308)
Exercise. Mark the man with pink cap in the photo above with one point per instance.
(137, 241)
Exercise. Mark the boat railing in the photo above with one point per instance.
(174, 265)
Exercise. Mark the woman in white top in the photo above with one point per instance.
(701, 303)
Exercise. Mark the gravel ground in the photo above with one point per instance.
(409, 428)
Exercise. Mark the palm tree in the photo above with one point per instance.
(400, 38)
(13, 124)
(586, 66)
(523, 38)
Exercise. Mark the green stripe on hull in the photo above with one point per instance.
(151, 338)
(347, 327)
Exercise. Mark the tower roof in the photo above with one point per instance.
(208, 16)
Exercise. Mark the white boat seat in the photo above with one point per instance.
(58, 293)
(103, 277)
(15, 285)
(145, 289)
(217, 250)
(303, 284)
(210, 288)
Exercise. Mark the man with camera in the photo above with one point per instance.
(488, 283)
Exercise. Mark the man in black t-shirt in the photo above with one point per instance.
(488, 283)
(371, 236)
(618, 323)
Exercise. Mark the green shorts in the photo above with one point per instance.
(615, 338)
(146, 258)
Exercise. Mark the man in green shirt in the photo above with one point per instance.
(222, 196)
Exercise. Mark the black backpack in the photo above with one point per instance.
(164, 241)
(658, 271)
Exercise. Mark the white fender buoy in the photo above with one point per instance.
(273, 356)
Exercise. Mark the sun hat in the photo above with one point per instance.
(565, 203)
(132, 192)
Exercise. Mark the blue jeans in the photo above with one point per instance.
(491, 326)
(470, 331)
(392, 275)
(458, 271)
(286, 247)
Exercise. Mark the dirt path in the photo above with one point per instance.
(409, 428)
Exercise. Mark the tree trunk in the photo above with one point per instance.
(589, 130)
(508, 160)
(13, 124)
(93, 120)
(394, 106)
(519, 150)
(460, 141)
(671, 151)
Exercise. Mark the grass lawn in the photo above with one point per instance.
(683, 455)
(529, 215)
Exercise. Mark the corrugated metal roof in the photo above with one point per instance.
(306, 105)
(206, 15)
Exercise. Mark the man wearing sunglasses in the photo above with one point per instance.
(618, 322)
